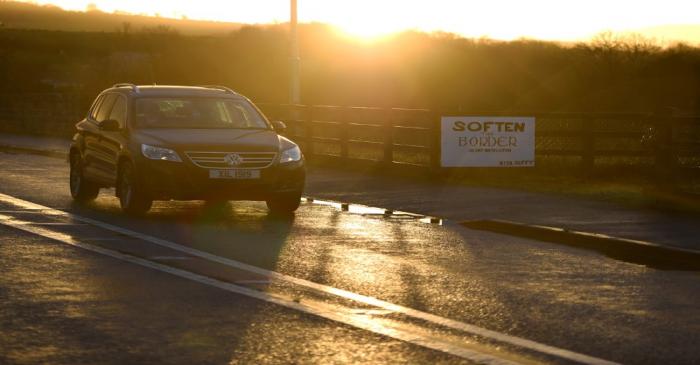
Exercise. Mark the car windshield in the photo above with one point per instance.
(196, 113)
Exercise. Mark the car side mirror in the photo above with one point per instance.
(279, 126)
(109, 125)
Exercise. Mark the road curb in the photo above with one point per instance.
(641, 252)
(34, 151)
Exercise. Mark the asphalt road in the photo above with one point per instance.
(61, 302)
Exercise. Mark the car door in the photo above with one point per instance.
(89, 133)
(112, 142)
(97, 151)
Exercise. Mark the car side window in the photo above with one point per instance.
(96, 107)
(105, 107)
(119, 111)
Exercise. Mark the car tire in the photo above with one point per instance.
(132, 197)
(285, 203)
(81, 189)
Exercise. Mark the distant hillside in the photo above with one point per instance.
(17, 15)
(610, 73)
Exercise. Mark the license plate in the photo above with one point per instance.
(234, 174)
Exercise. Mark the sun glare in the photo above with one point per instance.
(367, 33)
(370, 20)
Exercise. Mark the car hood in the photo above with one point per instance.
(258, 140)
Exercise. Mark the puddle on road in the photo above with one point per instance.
(368, 211)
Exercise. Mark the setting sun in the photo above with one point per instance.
(499, 19)
(367, 31)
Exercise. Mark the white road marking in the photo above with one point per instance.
(450, 323)
(167, 258)
(264, 282)
(372, 312)
(101, 238)
(332, 312)
(23, 211)
(59, 224)
(23, 169)
(54, 224)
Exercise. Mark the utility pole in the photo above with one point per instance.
(294, 60)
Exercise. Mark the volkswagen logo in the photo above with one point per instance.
(233, 159)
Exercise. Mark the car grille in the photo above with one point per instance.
(217, 160)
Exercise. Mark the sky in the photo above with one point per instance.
(563, 20)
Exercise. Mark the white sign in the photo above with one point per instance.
(488, 141)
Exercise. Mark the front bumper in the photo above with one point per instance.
(166, 180)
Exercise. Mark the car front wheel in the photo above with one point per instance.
(285, 203)
(81, 189)
(132, 198)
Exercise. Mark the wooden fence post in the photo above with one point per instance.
(588, 146)
(309, 130)
(344, 131)
(388, 137)
(436, 142)
(664, 160)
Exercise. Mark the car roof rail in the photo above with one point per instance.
(219, 87)
(126, 84)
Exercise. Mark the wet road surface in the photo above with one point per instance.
(61, 304)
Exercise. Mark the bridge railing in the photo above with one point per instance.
(585, 141)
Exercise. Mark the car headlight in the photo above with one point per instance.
(159, 153)
(291, 155)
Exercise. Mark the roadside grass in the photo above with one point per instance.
(632, 193)
(627, 181)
